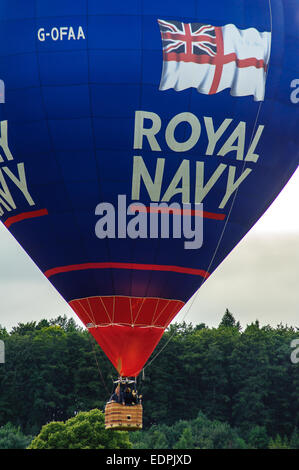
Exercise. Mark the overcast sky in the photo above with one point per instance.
(259, 279)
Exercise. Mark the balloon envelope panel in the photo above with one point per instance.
(108, 104)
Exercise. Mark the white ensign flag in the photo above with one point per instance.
(213, 58)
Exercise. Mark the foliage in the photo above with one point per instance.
(50, 373)
(202, 433)
(244, 378)
(84, 431)
(258, 438)
(199, 433)
(242, 381)
(228, 320)
(279, 443)
(11, 437)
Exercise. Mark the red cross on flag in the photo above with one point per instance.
(213, 58)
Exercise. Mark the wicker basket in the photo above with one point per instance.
(122, 417)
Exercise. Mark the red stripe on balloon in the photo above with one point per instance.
(133, 266)
(25, 215)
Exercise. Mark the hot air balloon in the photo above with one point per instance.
(113, 113)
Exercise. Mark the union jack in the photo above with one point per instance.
(187, 39)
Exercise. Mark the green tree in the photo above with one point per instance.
(213, 434)
(11, 437)
(67, 324)
(24, 328)
(258, 438)
(186, 440)
(153, 438)
(294, 440)
(84, 431)
(228, 320)
(279, 443)
(250, 375)
(3, 333)
(199, 433)
(51, 372)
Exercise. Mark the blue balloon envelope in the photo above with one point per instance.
(140, 141)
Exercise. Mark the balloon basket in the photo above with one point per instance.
(122, 417)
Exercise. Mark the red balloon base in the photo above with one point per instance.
(127, 328)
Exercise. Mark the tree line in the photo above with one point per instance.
(239, 382)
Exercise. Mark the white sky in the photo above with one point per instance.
(258, 280)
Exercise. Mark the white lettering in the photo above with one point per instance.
(21, 183)
(153, 187)
(149, 133)
(201, 189)
(61, 33)
(55, 34)
(232, 185)
(235, 142)
(41, 34)
(253, 157)
(212, 135)
(180, 183)
(239, 136)
(172, 143)
(6, 199)
(71, 34)
(81, 34)
(182, 174)
(4, 142)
